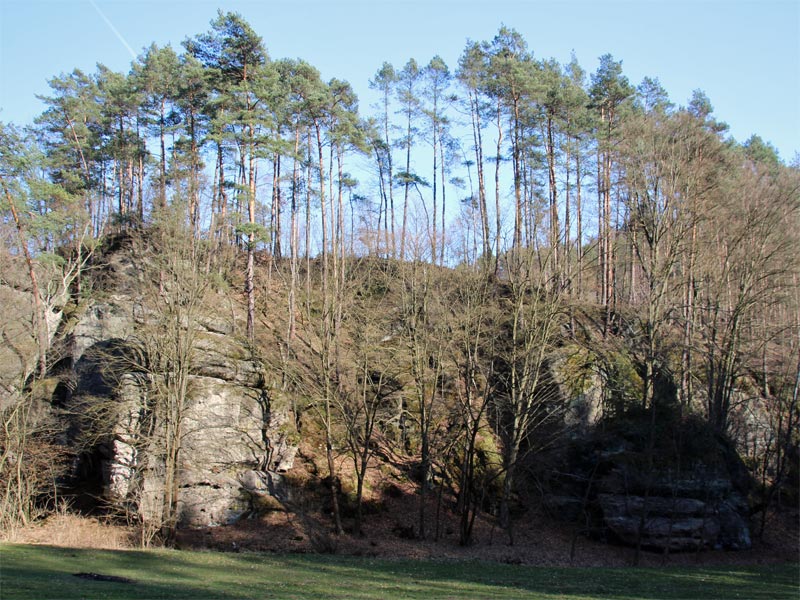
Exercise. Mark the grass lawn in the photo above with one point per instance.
(44, 572)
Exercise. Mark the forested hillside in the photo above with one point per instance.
(510, 286)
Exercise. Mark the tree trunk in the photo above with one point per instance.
(555, 231)
(332, 474)
(498, 158)
(478, 141)
(249, 285)
(275, 215)
(444, 204)
(162, 192)
(579, 224)
(403, 229)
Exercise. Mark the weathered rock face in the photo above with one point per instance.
(581, 388)
(674, 518)
(230, 426)
(232, 432)
(617, 492)
(677, 523)
(669, 483)
(678, 507)
(18, 345)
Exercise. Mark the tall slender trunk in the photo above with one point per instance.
(332, 474)
(567, 262)
(444, 203)
(383, 210)
(498, 159)
(601, 232)
(249, 285)
(508, 487)
(478, 141)
(407, 186)
(120, 185)
(275, 215)
(222, 202)
(528, 214)
(129, 187)
(323, 208)
(340, 208)
(194, 186)
(390, 167)
(309, 177)
(425, 467)
(290, 335)
(334, 222)
(609, 244)
(517, 163)
(688, 324)
(579, 224)
(555, 231)
(162, 192)
(434, 239)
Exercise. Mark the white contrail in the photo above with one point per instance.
(113, 29)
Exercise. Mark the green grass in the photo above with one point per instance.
(44, 572)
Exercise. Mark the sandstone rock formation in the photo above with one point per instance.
(232, 431)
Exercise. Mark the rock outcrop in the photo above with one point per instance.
(693, 501)
(679, 522)
(231, 429)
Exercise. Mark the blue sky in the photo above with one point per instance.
(745, 55)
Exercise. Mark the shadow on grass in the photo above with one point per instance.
(43, 572)
(475, 579)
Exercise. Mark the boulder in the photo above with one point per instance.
(211, 501)
(265, 483)
(676, 524)
(693, 504)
